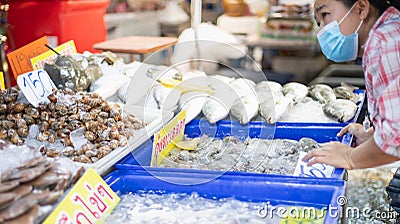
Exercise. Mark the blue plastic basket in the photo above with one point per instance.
(141, 156)
(288, 191)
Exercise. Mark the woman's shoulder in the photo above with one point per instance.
(387, 27)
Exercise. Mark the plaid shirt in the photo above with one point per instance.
(381, 65)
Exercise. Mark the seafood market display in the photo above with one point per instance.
(277, 156)
(153, 207)
(31, 184)
(81, 126)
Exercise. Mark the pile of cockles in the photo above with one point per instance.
(99, 125)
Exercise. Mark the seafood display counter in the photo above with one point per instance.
(256, 147)
(253, 157)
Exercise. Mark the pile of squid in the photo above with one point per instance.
(30, 186)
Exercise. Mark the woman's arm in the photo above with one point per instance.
(368, 154)
(340, 155)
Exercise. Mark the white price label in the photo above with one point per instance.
(36, 86)
(316, 170)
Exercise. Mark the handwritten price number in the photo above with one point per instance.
(301, 222)
(36, 86)
(315, 170)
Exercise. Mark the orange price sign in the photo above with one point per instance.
(20, 59)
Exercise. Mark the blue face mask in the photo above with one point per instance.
(336, 46)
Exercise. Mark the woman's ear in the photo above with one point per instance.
(363, 7)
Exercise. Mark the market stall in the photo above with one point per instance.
(88, 137)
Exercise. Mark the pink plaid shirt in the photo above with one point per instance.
(381, 65)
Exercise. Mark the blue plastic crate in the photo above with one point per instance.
(141, 156)
(288, 191)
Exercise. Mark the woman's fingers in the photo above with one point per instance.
(344, 130)
(317, 160)
(333, 154)
(314, 153)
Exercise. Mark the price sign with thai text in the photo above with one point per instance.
(89, 201)
(20, 59)
(316, 170)
(164, 139)
(67, 48)
(36, 86)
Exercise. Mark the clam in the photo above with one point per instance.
(3, 134)
(51, 106)
(42, 107)
(123, 141)
(84, 159)
(19, 107)
(103, 114)
(8, 124)
(21, 123)
(23, 131)
(11, 132)
(44, 116)
(68, 151)
(53, 153)
(94, 159)
(44, 126)
(3, 109)
(41, 137)
(114, 144)
(51, 138)
(33, 112)
(114, 133)
(29, 119)
(91, 153)
(90, 135)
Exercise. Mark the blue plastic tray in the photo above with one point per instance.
(289, 191)
(141, 156)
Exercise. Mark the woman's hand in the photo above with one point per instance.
(335, 154)
(361, 135)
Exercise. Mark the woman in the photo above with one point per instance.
(369, 29)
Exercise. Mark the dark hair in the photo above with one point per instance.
(381, 5)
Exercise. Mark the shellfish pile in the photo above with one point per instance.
(29, 188)
(100, 125)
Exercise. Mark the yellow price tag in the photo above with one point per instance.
(185, 86)
(67, 48)
(2, 85)
(304, 215)
(165, 139)
(89, 201)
